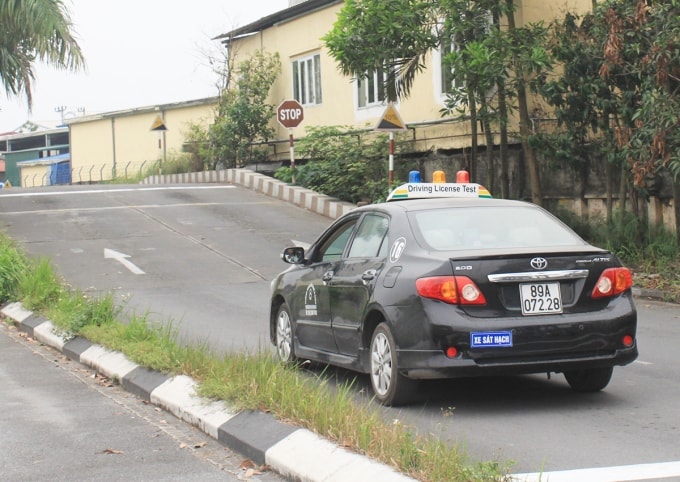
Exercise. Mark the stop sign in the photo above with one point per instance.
(289, 113)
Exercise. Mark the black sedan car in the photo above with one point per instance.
(444, 281)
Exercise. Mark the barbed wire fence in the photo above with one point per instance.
(93, 174)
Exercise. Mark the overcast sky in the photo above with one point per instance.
(138, 53)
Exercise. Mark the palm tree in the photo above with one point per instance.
(35, 31)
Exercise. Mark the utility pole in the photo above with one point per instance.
(61, 109)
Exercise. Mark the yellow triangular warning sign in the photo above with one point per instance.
(158, 125)
(390, 120)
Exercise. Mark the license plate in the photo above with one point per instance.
(487, 339)
(540, 298)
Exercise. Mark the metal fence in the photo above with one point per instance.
(91, 174)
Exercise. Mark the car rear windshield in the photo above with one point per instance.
(493, 227)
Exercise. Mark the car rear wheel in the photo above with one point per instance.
(284, 335)
(589, 380)
(390, 387)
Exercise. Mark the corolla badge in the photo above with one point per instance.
(538, 263)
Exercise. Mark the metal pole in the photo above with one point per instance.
(391, 165)
(291, 144)
(292, 148)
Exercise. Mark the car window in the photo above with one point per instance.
(370, 237)
(333, 247)
(492, 227)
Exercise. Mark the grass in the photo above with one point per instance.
(246, 381)
(652, 253)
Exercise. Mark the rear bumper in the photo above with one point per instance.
(539, 344)
(434, 364)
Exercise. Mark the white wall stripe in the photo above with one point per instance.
(16, 311)
(178, 396)
(113, 365)
(45, 334)
(306, 456)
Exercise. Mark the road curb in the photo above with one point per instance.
(290, 451)
(300, 196)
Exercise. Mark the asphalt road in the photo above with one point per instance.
(60, 422)
(201, 257)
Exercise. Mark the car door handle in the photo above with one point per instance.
(368, 275)
(327, 276)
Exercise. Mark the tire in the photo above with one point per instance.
(590, 379)
(285, 334)
(389, 386)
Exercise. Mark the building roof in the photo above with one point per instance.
(46, 161)
(142, 110)
(290, 13)
(42, 132)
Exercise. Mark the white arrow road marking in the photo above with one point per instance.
(121, 258)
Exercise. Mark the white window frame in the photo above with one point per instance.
(306, 74)
(370, 90)
(439, 75)
(440, 89)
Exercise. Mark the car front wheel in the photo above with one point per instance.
(590, 379)
(389, 386)
(284, 335)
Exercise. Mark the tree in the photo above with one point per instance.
(618, 98)
(243, 115)
(399, 35)
(30, 31)
(586, 105)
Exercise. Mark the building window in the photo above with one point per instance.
(307, 80)
(449, 81)
(371, 89)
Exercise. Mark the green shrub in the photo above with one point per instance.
(341, 163)
(646, 248)
(13, 268)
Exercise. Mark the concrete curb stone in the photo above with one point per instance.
(259, 436)
(302, 197)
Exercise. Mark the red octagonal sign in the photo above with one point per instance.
(290, 113)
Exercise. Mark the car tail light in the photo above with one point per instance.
(612, 282)
(452, 352)
(451, 289)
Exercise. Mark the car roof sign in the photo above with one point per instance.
(425, 190)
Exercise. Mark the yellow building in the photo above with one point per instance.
(128, 142)
(311, 76)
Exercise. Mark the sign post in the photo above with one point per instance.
(290, 114)
(159, 126)
(391, 121)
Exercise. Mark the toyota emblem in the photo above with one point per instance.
(539, 263)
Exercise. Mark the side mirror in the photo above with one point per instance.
(294, 255)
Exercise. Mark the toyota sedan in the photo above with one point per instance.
(444, 281)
